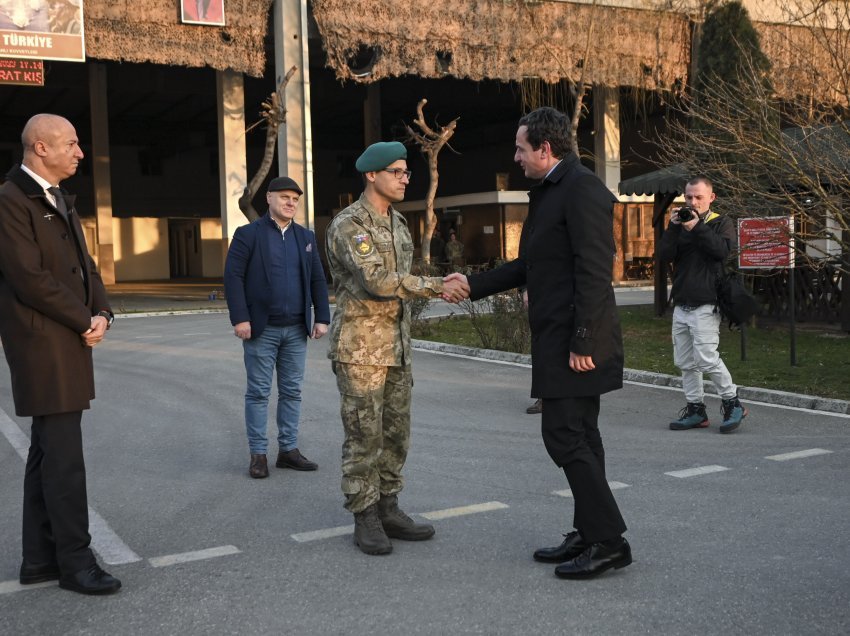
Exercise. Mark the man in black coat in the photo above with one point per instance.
(565, 261)
(53, 310)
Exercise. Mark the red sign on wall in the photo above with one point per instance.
(22, 72)
(766, 242)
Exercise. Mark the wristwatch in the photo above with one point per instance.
(110, 317)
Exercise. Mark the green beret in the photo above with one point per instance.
(378, 156)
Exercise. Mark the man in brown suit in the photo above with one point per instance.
(53, 310)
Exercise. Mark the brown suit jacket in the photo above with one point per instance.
(49, 290)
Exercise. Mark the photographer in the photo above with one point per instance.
(697, 241)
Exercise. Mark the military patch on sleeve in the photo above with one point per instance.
(363, 245)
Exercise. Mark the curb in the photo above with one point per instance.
(769, 396)
(170, 312)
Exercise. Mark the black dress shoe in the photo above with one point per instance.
(572, 546)
(92, 580)
(595, 560)
(38, 572)
(295, 460)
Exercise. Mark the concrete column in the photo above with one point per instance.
(606, 145)
(232, 168)
(101, 172)
(372, 114)
(295, 139)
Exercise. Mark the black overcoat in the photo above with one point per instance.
(566, 258)
(46, 302)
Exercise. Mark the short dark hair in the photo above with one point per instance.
(700, 179)
(548, 124)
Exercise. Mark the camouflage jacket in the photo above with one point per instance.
(369, 256)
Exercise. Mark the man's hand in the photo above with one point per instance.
(319, 330)
(580, 364)
(95, 332)
(688, 225)
(525, 299)
(242, 330)
(455, 288)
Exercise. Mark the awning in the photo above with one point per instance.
(669, 180)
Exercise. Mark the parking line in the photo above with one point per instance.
(811, 452)
(110, 547)
(327, 533)
(339, 531)
(613, 485)
(699, 470)
(197, 555)
(7, 587)
(464, 510)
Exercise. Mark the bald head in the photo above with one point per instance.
(51, 147)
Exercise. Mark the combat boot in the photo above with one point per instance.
(733, 414)
(398, 525)
(369, 534)
(692, 416)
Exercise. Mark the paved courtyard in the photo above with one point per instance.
(746, 533)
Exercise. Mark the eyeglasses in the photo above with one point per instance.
(399, 173)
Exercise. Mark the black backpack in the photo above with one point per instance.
(736, 303)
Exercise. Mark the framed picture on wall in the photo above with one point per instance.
(202, 12)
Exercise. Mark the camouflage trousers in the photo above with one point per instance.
(375, 408)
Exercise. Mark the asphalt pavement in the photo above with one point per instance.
(731, 534)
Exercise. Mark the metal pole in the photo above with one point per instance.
(791, 314)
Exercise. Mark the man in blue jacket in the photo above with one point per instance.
(274, 281)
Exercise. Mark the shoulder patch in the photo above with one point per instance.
(363, 245)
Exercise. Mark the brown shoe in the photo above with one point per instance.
(535, 408)
(295, 460)
(259, 467)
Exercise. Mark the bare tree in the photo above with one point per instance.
(273, 113)
(430, 142)
(578, 87)
(732, 133)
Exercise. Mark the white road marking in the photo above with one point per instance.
(811, 452)
(197, 555)
(145, 337)
(7, 587)
(327, 533)
(198, 333)
(12, 432)
(339, 531)
(699, 470)
(464, 510)
(613, 485)
(110, 547)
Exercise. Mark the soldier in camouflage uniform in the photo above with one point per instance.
(370, 253)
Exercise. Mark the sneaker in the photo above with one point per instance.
(733, 414)
(692, 416)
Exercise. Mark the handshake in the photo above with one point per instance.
(455, 288)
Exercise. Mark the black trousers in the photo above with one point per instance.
(572, 439)
(56, 516)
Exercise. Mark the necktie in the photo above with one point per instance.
(60, 200)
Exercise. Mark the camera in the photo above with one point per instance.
(686, 213)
